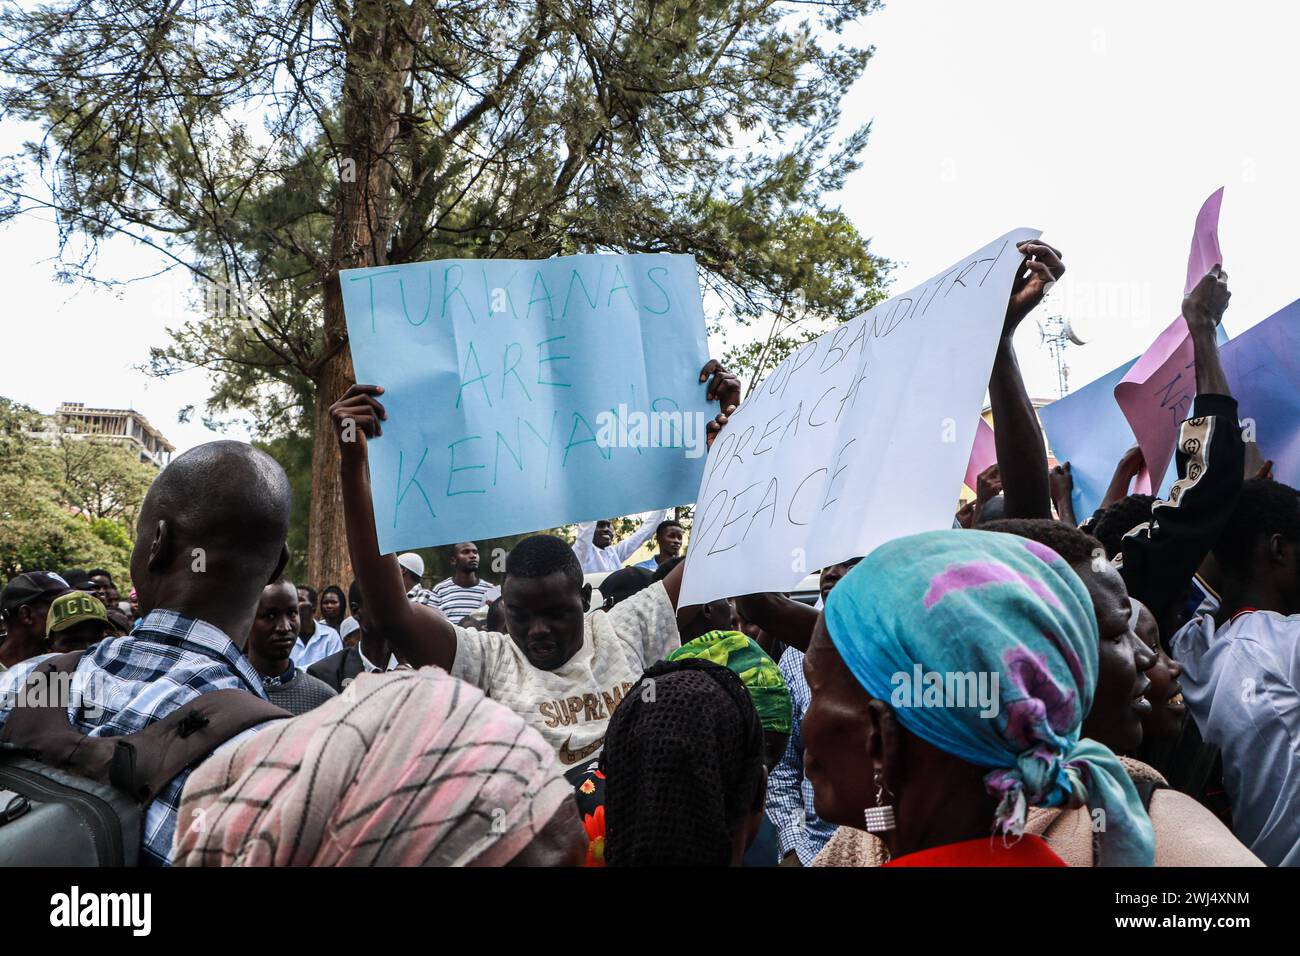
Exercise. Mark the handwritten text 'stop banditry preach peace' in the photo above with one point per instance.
(861, 436)
(499, 375)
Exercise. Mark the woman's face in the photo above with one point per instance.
(834, 729)
(1165, 722)
(330, 606)
(1119, 703)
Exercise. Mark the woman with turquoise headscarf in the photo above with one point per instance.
(950, 675)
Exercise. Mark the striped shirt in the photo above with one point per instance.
(456, 602)
(789, 792)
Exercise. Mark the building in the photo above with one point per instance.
(120, 424)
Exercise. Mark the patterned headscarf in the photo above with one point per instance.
(758, 672)
(408, 768)
(991, 606)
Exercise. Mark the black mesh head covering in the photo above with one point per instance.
(683, 767)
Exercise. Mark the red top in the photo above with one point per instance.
(1029, 850)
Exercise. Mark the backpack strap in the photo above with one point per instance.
(139, 764)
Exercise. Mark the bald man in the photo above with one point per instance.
(210, 537)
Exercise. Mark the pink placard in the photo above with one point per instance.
(982, 453)
(1156, 395)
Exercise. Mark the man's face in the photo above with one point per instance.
(544, 617)
(275, 628)
(32, 618)
(603, 536)
(669, 541)
(78, 637)
(306, 613)
(465, 557)
(831, 576)
(359, 613)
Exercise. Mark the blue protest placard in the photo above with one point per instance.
(1263, 370)
(528, 394)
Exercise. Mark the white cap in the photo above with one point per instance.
(412, 562)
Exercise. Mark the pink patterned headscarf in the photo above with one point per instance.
(409, 768)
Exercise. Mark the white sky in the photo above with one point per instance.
(1106, 125)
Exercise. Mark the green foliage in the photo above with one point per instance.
(264, 144)
(293, 452)
(39, 529)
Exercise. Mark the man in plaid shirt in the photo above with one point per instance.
(210, 536)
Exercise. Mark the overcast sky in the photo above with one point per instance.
(1105, 125)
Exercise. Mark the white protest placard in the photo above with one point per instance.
(861, 436)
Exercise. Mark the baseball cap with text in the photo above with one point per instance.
(73, 608)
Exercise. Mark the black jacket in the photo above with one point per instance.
(338, 669)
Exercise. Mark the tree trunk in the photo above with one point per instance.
(327, 549)
(378, 63)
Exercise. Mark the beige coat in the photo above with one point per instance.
(1187, 834)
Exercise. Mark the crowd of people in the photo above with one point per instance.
(1021, 689)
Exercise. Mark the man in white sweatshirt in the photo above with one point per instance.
(595, 545)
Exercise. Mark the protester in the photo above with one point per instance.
(684, 769)
(102, 586)
(771, 696)
(316, 639)
(594, 542)
(271, 641)
(228, 502)
(1171, 744)
(25, 604)
(412, 566)
(361, 657)
(932, 781)
(77, 620)
(1241, 670)
(620, 585)
(560, 669)
(1186, 833)
(333, 607)
(464, 592)
(668, 540)
(771, 699)
(409, 769)
(791, 802)
(78, 579)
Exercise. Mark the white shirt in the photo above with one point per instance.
(593, 558)
(369, 668)
(1240, 683)
(570, 706)
(323, 642)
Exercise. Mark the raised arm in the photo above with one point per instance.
(1022, 455)
(1160, 557)
(582, 546)
(1126, 469)
(420, 635)
(625, 549)
(1061, 481)
(723, 388)
(786, 619)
